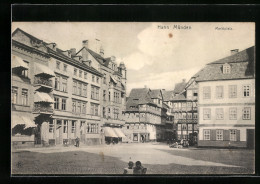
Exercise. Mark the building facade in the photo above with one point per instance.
(226, 105)
(60, 92)
(145, 115)
(184, 108)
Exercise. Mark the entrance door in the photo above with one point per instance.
(250, 138)
(58, 132)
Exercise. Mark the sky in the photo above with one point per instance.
(154, 57)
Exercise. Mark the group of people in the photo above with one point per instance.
(138, 169)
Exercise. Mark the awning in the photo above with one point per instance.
(109, 132)
(28, 122)
(17, 120)
(42, 97)
(119, 132)
(113, 79)
(18, 62)
(22, 120)
(43, 70)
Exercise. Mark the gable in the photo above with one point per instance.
(22, 38)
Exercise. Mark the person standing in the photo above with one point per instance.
(77, 142)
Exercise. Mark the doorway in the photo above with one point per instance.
(250, 137)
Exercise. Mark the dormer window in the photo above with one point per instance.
(226, 68)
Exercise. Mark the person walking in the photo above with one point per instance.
(129, 169)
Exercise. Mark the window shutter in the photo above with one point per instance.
(212, 135)
(226, 136)
(238, 135)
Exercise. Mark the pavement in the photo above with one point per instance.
(147, 153)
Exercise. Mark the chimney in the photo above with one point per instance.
(234, 51)
(84, 52)
(145, 86)
(113, 58)
(183, 80)
(85, 43)
(73, 51)
(163, 89)
(101, 51)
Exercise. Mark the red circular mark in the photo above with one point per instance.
(170, 35)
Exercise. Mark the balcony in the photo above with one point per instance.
(40, 81)
(42, 109)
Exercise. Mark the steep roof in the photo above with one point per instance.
(179, 97)
(167, 95)
(155, 93)
(138, 96)
(179, 87)
(58, 52)
(241, 64)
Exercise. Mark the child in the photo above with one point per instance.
(129, 169)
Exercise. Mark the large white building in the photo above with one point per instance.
(226, 101)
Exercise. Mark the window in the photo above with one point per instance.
(116, 113)
(219, 134)
(75, 71)
(219, 113)
(109, 96)
(206, 134)
(79, 88)
(64, 84)
(85, 90)
(63, 104)
(195, 116)
(94, 92)
(58, 65)
(233, 135)
(25, 72)
(73, 126)
(74, 87)
(206, 92)
(73, 106)
(105, 79)
(79, 107)
(184, 127)
(80, 73)
(84, 108)
(226, 68)
(246, 90)
(65, 126)
(189, 126)
(232, 91)
(219, 91)
(184, 115)
(97, 79)
(65, 67)
(247, 113)
(57, 83)
(104, 95)
(189, 115)
(56, 103)
(85, 75)
(92, 128)
(232, 113)
(195, 93)
(104, 112)
(51, 127)
(206, 114)
(14, 95)
(94, 109)
(93, 78)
